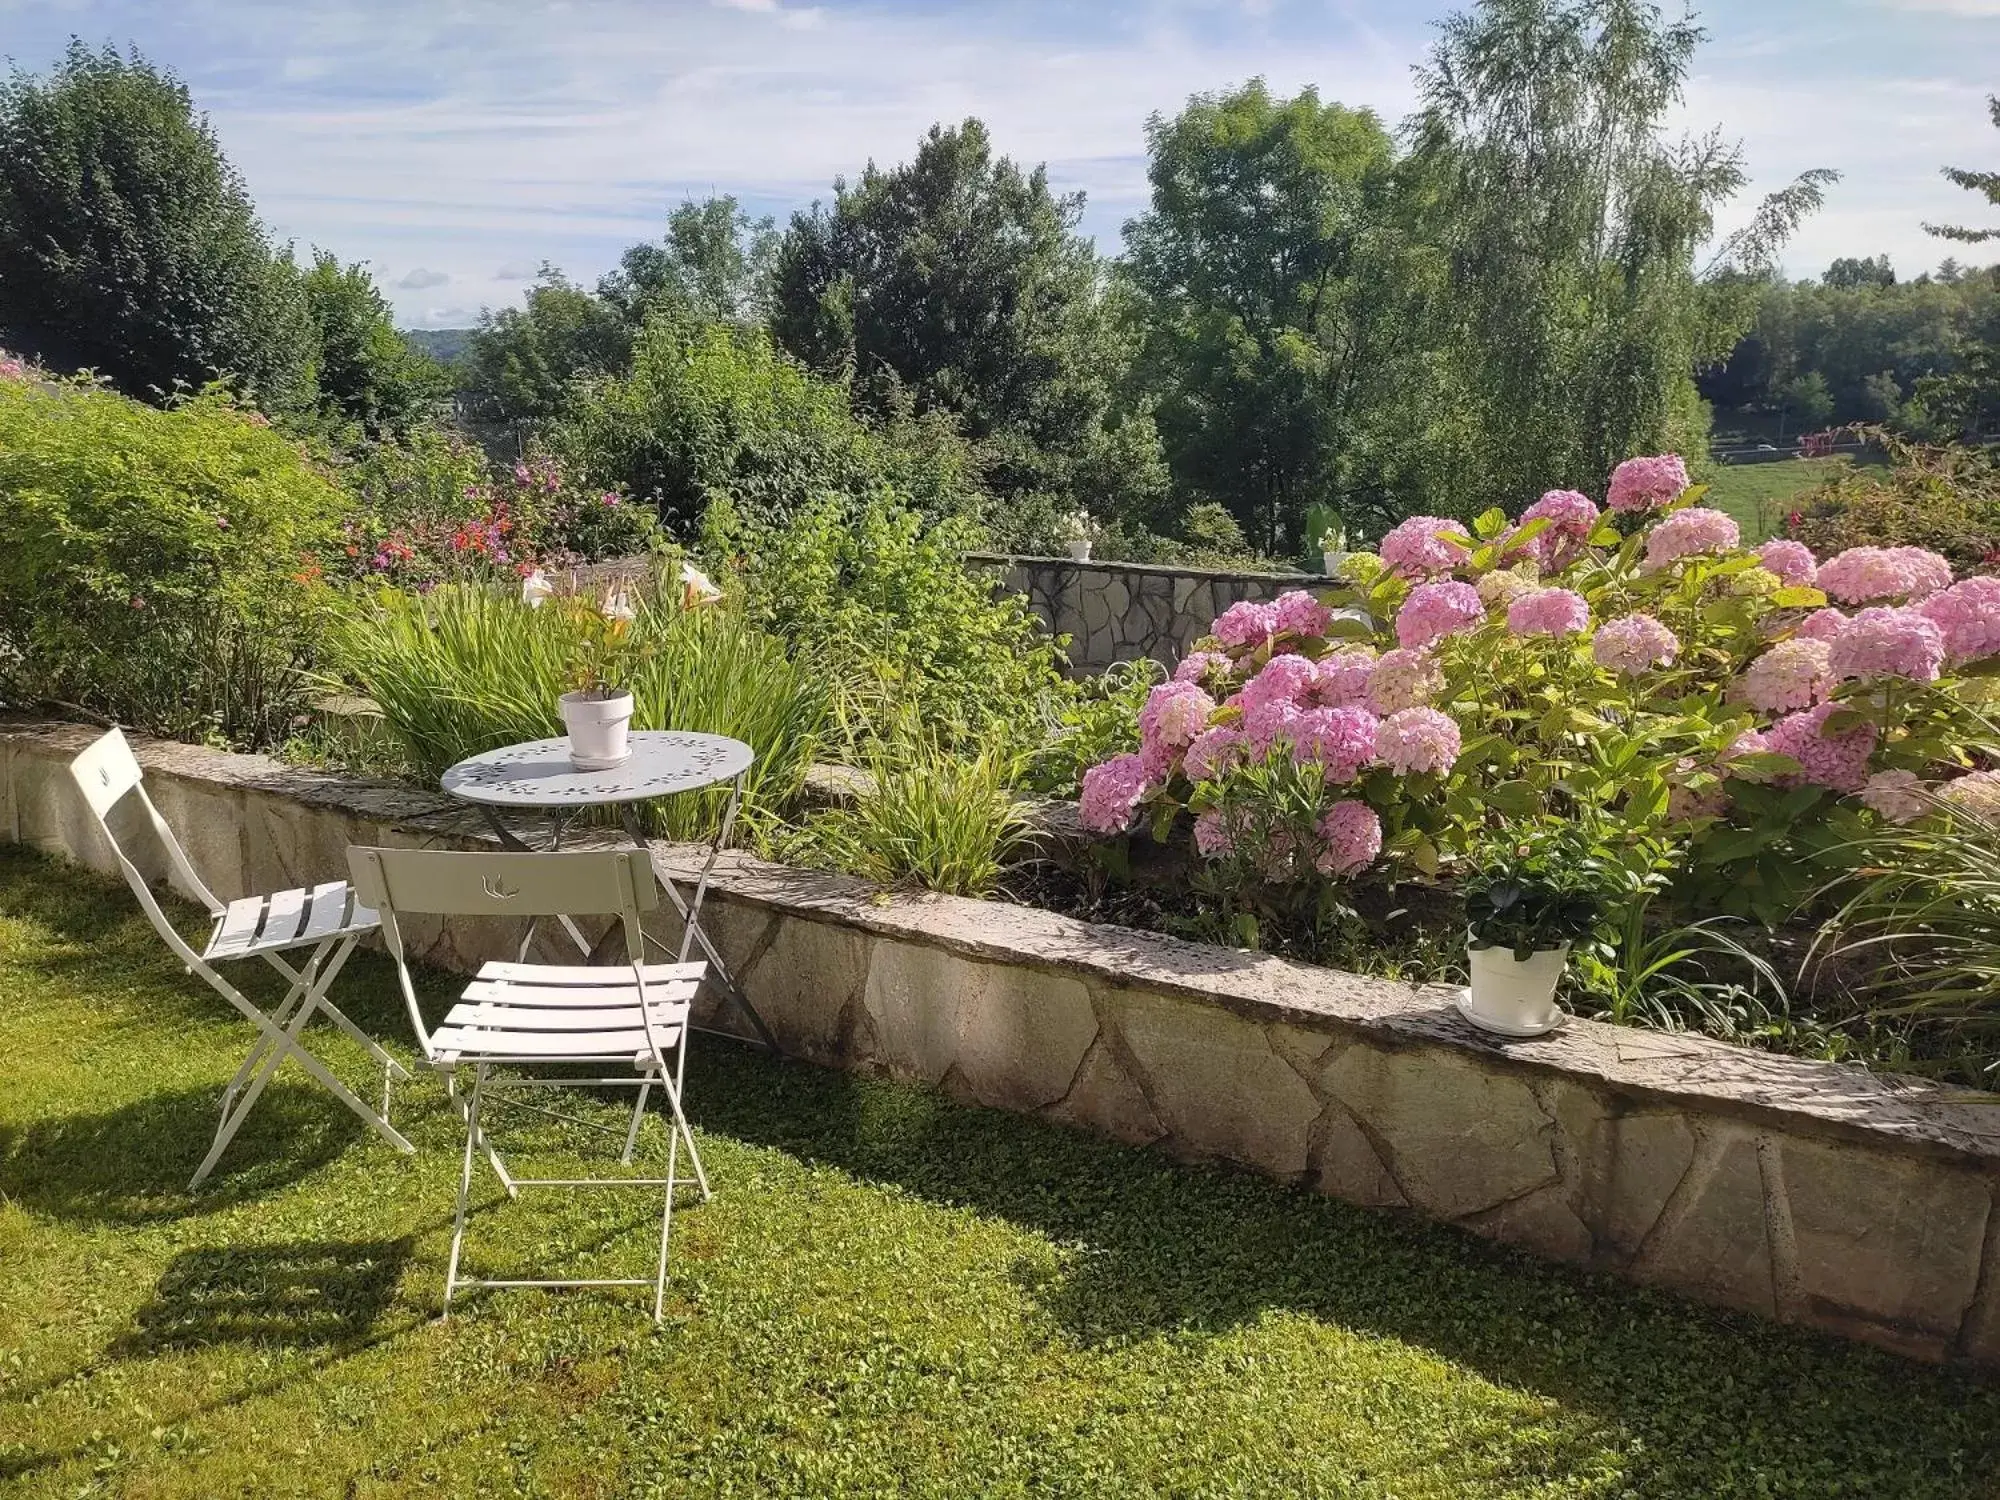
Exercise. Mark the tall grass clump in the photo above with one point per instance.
(469, 667)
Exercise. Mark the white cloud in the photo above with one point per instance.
(1975, 9)
(422, 280)
(515, 270)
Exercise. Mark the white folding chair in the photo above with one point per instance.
(327, 919)
(520, 1015)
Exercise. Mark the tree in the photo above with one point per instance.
(1271, 338)
(527, 361)
(369, 376)
(956, 282)
(1808, 402)
(129, 245)
(715, 264)
(1848, 272)
(1986, 184)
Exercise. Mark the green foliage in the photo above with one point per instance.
(1541, 886)
(930, 816)
(369, 377)
(1984, 184)
(148, 561)
(530, 362)
(1088, 722)
(878, 601)
(468, 668)
(129, 246)
(1807, 401)
(714, 266)
(957, 282)
(713, 411)
(1946, 499)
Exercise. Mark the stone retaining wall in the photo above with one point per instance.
(1119, 611)
(1853, 1202)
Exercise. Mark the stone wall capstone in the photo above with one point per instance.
(1813, 1193)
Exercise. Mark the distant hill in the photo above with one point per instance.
(442, 344)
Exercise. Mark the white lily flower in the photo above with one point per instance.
(535, 588)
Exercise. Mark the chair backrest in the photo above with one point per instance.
(491, 883)
(107, 773)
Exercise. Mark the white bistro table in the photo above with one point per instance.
(537, 777)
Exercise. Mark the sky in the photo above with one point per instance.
(457, 145)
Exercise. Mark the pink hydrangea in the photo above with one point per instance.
(1214, 752)
(1174, 714)
(1417, 548)
(1342, 678)
(1978, 794)
(1793, 674)
(1889, 643)
(1504, 587)
(1436, 610)
(1571, 518)
(1548, 612)
(1341, 740)
(1749, 742)
(1968, 614)
(1404, 679)
(1821, 625)
(1285, 679)
(1213, 835)
(1874, 575)
(12, 368)
(1898, 796)
(1270, 724)
(1647, 483)
(1694, 532)
(1837, 761)
(1793, 562)
(1112, 793)
(1299, 614)
(1415, 740)
(1245, 625)
(1632, 644)
(1209, 668)
(1353, 835)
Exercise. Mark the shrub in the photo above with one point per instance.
(469, 668)
(1946, 499)
(152, 562)
(1086, 722)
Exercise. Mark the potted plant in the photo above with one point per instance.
(1526, 904)
(597, 710)
(1077, 530)
(1333, 548)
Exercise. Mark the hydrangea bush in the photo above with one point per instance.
(1637, 667)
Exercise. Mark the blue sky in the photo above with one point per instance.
(457, 144)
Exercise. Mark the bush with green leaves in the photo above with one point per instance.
(1946, 499)
(471, 667)
(151, 561)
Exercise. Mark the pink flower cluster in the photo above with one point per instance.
(1647, 483)
(1968, 614)
(1208, 668)
(1246, 625)
(1214, 753)
(1898, 796)
(1503, 587)
(1793, 562)
(12, 367)
(1353, 835)
(1298, 613)
(1978, 794)
(1821, 625)
(1340, 740)
(1112, 793)
(1436, 610)
(1417, 547)
(1632, 644)
(1571, 518)
(1838, 761)
(1548, 612)
(1888, 643)
(1417, 740)
(1403, 679)
(1793, 674)
(1343, 677)
(1694, 532)
(1174, 714)
(1872, 575)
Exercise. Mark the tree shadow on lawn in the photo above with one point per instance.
(1709, 1398)
(131, 1165)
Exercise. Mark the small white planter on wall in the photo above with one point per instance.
(1512, 996)
(600, 729)
(1079, 549)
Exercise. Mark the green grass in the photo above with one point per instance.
(890, 1294)
(1758, 495)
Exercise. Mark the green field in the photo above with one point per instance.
(1758, 495)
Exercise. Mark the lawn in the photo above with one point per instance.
(1758, 495)
(890, 1294)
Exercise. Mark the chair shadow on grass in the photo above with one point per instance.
(131, 1165)
(306, 1294)
(1162, 1247)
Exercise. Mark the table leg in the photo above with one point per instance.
(511, 841)
(690, 912)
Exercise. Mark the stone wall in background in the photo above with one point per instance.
(1858, 1203)
(1119, 611)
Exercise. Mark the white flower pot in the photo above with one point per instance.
(1079, 549)
(1511, 996)
(600, 729)
(1329, 562)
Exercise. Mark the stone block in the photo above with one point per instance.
(1346, 1164)
(1889, 1240)
(1545, 1221)
(804, 980)
(1711, 1241)
(1105, 1098)
(1650, 1154)
(1459, 1137)
(1216, 1084)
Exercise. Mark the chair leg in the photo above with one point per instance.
(638, 1114)
(280, 1014)
(682, 1132)
(666, 1225)
(485, 1142)
(274, 1055)
(464, 1189)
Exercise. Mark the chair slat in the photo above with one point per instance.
(326, 910)
(587, 973)
(569, 995)
(239, 927)
(574, 1045)
(596, 1018)
(282, 918)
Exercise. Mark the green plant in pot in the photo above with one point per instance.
(1533, 894)
(1078, 530)
(597, 710)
